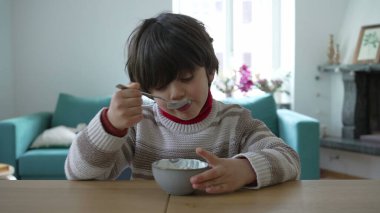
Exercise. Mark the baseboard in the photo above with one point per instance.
(327, 174)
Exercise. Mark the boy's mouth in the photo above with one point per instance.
(184, 108)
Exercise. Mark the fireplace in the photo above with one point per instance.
(367, 108)
(360, 112)
(361, 107)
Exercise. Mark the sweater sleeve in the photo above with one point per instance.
(96, 154)
(271, 158)
(108, 127)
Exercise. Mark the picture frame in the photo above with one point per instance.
(368, 45)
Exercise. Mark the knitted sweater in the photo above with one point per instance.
(229, 131)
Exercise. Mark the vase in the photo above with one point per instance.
(337, 55)
(331, 50)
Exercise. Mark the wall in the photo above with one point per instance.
(315, 20)
(71, 46)
(6, 77)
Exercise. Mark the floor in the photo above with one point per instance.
(326, 174)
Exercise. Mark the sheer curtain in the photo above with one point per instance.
(258, 33)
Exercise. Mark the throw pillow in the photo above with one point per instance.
(56, 137)
(59, 136)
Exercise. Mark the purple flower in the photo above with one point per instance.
(245, 83)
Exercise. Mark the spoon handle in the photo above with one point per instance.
(121, 86)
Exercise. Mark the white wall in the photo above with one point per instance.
(315, 20)
(6, 77)
(72, 46)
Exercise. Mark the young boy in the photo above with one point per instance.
(172, 56)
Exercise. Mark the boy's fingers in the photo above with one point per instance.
(208, 156)
(134, 85)
(207, 178)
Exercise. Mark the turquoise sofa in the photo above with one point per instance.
(17, 134)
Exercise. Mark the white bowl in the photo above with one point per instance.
(173, 175)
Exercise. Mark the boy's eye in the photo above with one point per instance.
(161, 88)
(186, 78)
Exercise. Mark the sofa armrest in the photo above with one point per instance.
(16, 134)
(302, 134)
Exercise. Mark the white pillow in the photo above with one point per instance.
(60, 136)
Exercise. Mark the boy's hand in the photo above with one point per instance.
(225, 175)
(126, 107)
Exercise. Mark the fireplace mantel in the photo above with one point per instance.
(352, 145)
(349, 68)
(350, 92)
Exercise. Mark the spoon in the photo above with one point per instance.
(169, 104)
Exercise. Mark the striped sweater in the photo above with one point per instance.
(229, 131)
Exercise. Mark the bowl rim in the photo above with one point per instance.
(154, 165)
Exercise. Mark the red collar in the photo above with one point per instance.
(202, 114)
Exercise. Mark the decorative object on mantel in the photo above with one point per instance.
(337, 54)
(368, 45)
(331, 50)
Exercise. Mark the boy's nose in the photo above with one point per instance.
(176, 91)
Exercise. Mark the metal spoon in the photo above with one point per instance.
(169, 104)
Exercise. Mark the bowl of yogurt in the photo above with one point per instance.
(173, 175)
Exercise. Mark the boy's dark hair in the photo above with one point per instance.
(162, 48)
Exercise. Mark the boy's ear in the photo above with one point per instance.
(211, 77)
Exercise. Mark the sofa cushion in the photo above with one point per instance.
(42, 163)
(72, 110)
(262, 107)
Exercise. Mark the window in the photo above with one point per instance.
(258, 33)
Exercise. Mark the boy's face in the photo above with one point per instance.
(192, 86)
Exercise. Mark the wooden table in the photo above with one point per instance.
(298, 196)
(145, 196)
(42, 196)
